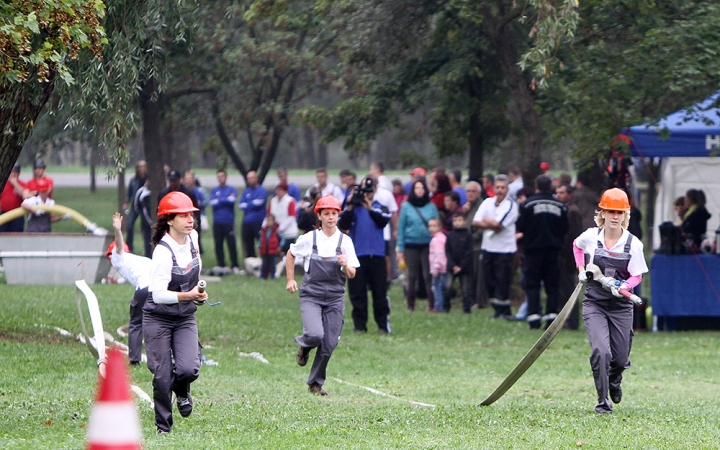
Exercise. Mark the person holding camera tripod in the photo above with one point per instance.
(365, 218)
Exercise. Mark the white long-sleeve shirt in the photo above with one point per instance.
(161, 272)
(134, 268)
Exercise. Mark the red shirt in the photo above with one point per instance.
(32, 184)
(9, 199)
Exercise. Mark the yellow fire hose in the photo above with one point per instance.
(90, 227)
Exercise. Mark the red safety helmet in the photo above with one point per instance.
(175, 203)
(614, 200)
(327, 202)
(111, 247)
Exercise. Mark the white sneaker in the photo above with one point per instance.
(236, 270)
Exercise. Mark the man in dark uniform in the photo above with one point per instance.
(543, 224)
(568, 270)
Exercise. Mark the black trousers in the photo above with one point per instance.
(135, 331)
(478, 289)
(146, 230)
(267, 270)
(568, 281)
(249, 234)
(466, 288)
(497, 269)
(130, 223)
(541, 266)
(373, 273)
(225, 232)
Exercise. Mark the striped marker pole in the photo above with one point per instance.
(114, 422)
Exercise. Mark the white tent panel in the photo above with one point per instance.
(677, 177)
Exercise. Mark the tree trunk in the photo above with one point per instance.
(309, 147)
(20, 105)
(121, 193)
(504, 43)
(93, 168)
(477, 150)
(151, 140)
(651, 192)
(322, 155)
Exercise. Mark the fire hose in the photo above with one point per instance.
(593, 272)
(90, 227)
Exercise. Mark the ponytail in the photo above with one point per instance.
(161, 228)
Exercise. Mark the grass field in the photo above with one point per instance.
(453, 361)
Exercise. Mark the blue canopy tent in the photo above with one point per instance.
(693, 132)
(688, 141)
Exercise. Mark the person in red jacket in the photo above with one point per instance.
(270, 244)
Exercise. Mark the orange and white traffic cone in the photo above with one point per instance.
(114, 422)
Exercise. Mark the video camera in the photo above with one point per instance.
(366, 186)
(358, 195)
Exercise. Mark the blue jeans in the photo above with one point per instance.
(438, 287)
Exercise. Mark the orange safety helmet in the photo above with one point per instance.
(111, 247)
(327, 202)
(175, 203)
(615, 200)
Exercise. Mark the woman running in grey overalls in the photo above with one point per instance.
(171, 333)
(608, 316)
(329, 259)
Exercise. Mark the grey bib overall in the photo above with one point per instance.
(171, 334)
(322, 307)
(608, 322)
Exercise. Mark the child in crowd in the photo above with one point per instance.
(438, 263)
(459, 251)
(399, 192)
(270, 244)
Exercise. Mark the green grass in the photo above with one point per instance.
(453, 361)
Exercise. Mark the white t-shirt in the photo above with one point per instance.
(514, 188)
(386, 199)
(160, 274)
(36, 200)
(506, 213)
(285, 212)
(134, 268)
(385, 183)
(588, 240)
(330, 188)
(326, 246)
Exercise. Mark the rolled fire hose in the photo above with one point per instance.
(537, 349)
(90, 227)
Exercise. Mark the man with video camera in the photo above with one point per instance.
(364, 219)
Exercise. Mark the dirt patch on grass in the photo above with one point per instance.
(26, 337)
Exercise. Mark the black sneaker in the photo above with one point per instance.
(161, 431)
(302, 355)
(616, 394)
(185, 405)
(317, 390)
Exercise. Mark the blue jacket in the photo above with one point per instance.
(253, 202)
(412, 229)
(366, 228)
(222, 201)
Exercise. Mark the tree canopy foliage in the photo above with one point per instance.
(39, 39)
